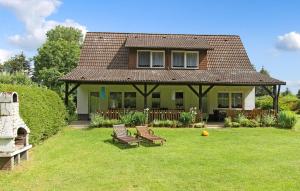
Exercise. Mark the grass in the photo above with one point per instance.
(229, 159)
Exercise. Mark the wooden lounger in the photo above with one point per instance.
(147, 134)
(122, 135)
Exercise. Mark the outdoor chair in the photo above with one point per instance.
(122, 135)
(147, 134)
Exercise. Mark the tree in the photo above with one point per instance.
(17, 63)
(286, 92)
(298, 94)
(260, 91)
(57, 56)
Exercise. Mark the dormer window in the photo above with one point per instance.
(151, 59)
(185, 59)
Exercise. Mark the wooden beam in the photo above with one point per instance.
(200, 98)
(207, 90)
(156, 85)
(195, 92)
(145, 96)
(269, 91)
(275, 99)
(74, 88)
(278, 94)
(66, 93)
(138, 89)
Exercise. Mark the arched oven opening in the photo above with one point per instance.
(20, 140)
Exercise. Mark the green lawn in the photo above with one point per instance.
(229, 159)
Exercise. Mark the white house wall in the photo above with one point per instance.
(167, 92)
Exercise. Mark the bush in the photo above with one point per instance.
(185, 118)
(138, 118)
(164, 123)
(253, 123)
(133, 118)
(286, 103)
(287, 119)
(235, 124)
(242, 120)
(126, 119)
(227, 122)
(17, 78)
(42, 110)
(199, 125)
(98, 120)
(268, 120)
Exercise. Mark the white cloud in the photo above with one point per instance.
(33, 14)
(5, 55)
(289, 41)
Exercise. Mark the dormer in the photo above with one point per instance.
(162, 52)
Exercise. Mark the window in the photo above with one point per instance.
(130, 100)
(223, 100)
(185, 59)
(115, 100)
(144, 59)
(236, 100)
(179, 100)
(191, 60)
(94, 102)
(151, 59)
(178, 59)
(158, 59)
(156, 100)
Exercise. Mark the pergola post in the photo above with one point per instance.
(145, 93)
(275, 99)
(200, 98)
(67, 94)
(145, 96)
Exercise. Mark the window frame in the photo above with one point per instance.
(156, 98)
(230, 100)
(185, 60)
(124, 99)
(183, 104)
(151, 63)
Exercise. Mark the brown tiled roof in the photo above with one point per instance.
(104, 58)
(164, 42)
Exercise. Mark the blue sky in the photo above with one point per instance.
(270, 30)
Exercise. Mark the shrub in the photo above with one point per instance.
(164, 123)
(42, 110)
(235, 124)
(264, 102)
(98, 120)
(126, 119)
(17, 78)
(199, 125)
(286, 103)
(287, 119)
(185, 118)
(227, 122)
(268, 120)
(253, 123)
(138, 118)
(242, 120)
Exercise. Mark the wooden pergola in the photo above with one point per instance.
(199, 93)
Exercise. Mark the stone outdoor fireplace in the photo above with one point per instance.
(14, 134)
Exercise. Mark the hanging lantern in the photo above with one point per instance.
(102, 93)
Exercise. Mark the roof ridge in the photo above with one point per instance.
(153, 33)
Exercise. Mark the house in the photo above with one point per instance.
(167, 72)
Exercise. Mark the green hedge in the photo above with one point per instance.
(42, 110)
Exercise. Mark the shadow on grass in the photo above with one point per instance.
(120, 145)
